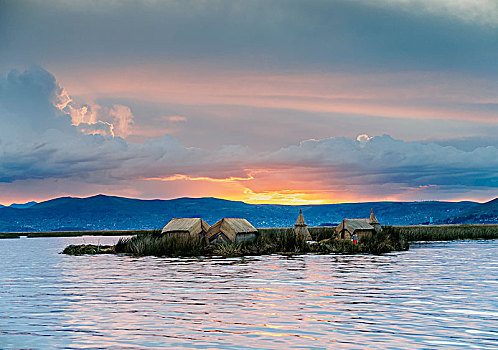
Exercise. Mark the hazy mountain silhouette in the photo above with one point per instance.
(19, 205)
(108, 212)
(481, 213)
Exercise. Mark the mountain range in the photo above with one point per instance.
(102, 212)
(482, 213)
(19, 206)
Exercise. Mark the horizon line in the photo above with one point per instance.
(246, 202)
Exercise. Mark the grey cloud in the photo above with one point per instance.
(258, 125)
(480, 12)
(58, 150)
(44, 144)
(468, 144)
(101, 128)
(383, 160)
(27, 102)
(285, 33)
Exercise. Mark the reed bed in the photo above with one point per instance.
(269, 241)
(82, 249)
(382, 242)
(88, 233)
(322, 232)
(161, 245)
(317, 233)
(9, 235)
(446, 232)
(280, 240)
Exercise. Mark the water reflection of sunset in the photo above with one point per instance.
(312, 301)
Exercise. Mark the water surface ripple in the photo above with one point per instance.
(439, 295)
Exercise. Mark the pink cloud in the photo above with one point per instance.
(413, 95)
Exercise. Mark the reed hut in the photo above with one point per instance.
(361, 227)
(231, 230)
(186, 226)
(300, 228)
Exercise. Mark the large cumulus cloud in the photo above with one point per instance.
(382, 159)
(38, 140)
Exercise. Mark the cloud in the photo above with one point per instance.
(97, 128)
(116, 120)
(175, 118)
(42, 143)
(382, 160)
(311, 35)
(27, 103)
(484, 12)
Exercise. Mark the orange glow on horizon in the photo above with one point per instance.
(251, 189)
(239, 190)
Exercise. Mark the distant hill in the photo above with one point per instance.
(23, 205)
(19, 206)
(486, 213)
(117, 213)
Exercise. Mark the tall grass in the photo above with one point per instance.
(165, 245)
(279, 240)
(321, 233)
(379, 243)
(89, 233)
(383, 242)
(9, 235)
(446, 232)
(317, 233)
(88, 249)
(269, 241)
(276, 240)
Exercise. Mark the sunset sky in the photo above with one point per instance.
(262, 101)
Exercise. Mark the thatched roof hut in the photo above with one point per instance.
(361, 227)
(231, 230)
(184, 226)
(300, 228)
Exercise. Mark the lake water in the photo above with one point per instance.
(438, 295)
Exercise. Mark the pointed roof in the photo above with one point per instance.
(300, 219)
(190, 225)
(352, 225)
(373, 219)
(230, 227)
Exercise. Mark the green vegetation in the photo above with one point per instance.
(161, 245)
(446, 232)
(269, 241)
(88, 249)
(279, 240)
(382, 242)
(88, 233)
(9, 235)
(317, 233)
(321, 233)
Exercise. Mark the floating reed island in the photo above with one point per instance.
(238, 237)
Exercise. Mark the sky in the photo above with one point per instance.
(281, 101)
